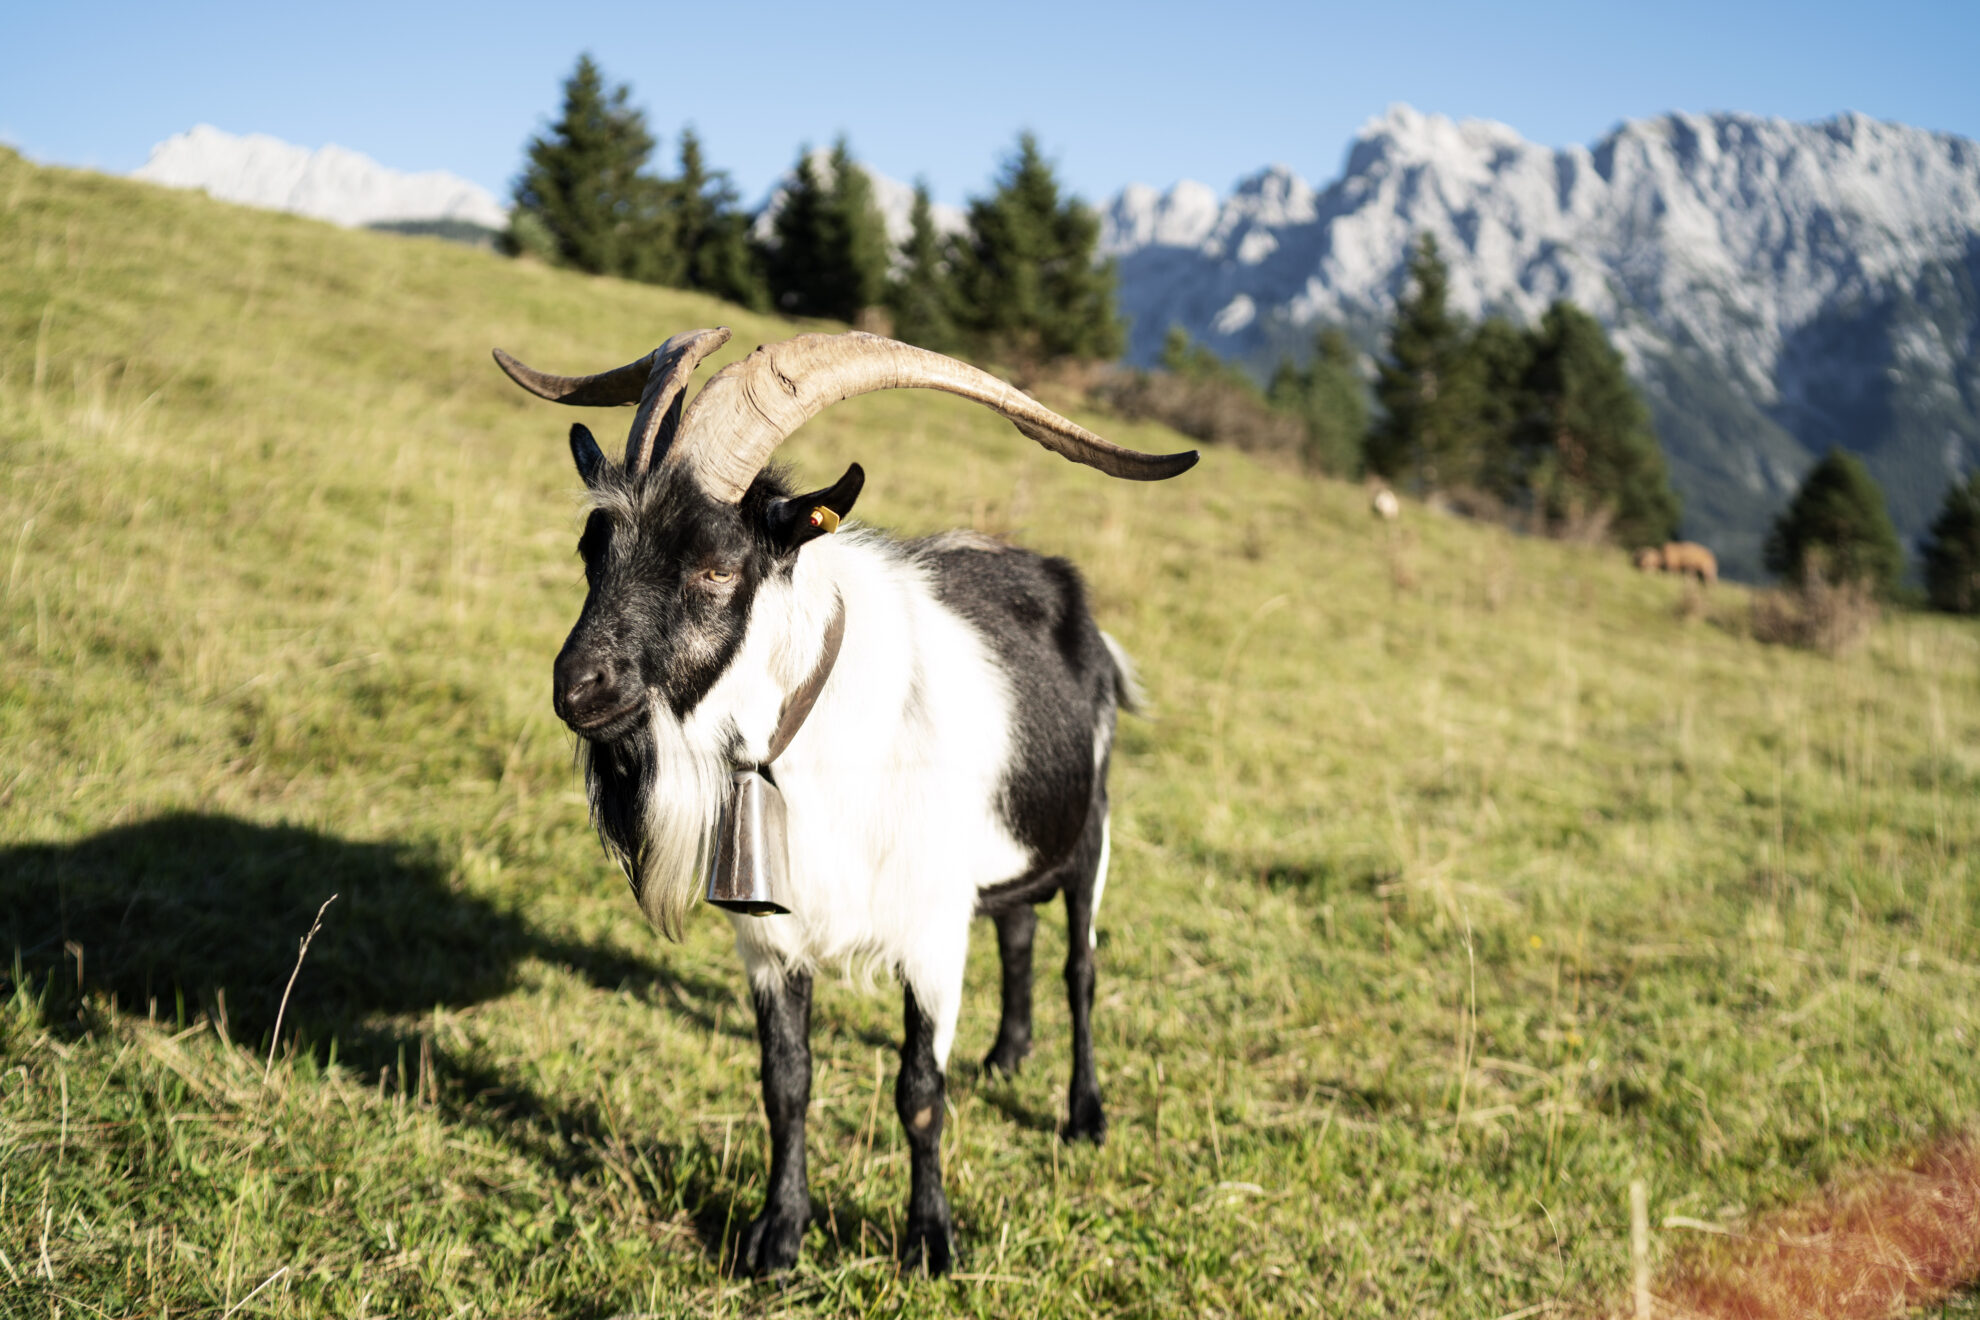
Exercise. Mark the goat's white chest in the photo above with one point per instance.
(893, 785)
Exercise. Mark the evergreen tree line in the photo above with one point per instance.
(1542, 421)
(1020, 284)
(1545, 422)
(1540, 424)
(1837, 528)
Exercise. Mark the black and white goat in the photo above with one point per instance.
(954, 762)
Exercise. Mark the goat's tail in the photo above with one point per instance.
(1129, 695)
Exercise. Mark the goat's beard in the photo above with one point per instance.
(655, 798)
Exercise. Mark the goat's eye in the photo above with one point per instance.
(597, 536)
(718, 576)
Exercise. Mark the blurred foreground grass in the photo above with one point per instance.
(1459, 881)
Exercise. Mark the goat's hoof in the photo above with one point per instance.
(1086, 1122)
(770, 1244)
(929, 1246)
(1006, 1058)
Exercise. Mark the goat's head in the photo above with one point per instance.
(686, 530)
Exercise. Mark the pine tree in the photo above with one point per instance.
(830, 257)
(712, 235)
(585, 190)
(922, 299)
(728, 264)
(1586, 441)
(1836, 525)
(798, 233)
(1183, 356)
(1429, 386)
(1027, 277)
(697, 196)
(861, 235)
(1327, 396)
(1501, 355)
(1952, 550)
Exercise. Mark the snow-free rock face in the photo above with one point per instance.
(1776, 287)
(330, 183)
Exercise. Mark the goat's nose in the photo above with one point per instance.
(583, 683)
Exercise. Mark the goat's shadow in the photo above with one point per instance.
(196, 914)
(192, 914)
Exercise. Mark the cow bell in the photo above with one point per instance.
(750, 870)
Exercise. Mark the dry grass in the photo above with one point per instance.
(1879, 1244)
(1214, 411)
(1818, 615)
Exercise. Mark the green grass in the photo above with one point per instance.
(1460, 880)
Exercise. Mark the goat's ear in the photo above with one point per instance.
(801, 518)
(590, 458)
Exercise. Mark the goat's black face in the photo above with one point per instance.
(672, 574)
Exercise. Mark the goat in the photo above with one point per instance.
(953, 762)
(1384, 504)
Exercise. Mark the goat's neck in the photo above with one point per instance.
(783, 644)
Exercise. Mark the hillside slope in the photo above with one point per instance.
(1777, 287)
(1460, 879)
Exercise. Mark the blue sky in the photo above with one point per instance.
(1117, 93)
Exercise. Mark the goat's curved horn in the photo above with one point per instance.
(654, 382)
(747, 409)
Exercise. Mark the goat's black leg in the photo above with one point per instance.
(783, 1031)
(1015, 928)
(1085, 1119)
(918, 1099)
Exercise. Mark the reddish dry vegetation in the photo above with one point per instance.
(1880, 1246)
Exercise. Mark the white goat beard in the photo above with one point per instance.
(683, 801)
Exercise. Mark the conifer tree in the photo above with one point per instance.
(1952, 550)
(861, 234)
(922, 300)
(1501, 356)
(1429, 385)
(1183, 356)
(1837, 525)
(798, 236)
(585, 197)
(1586, 440)
(830, 257)
(712, 235)
(1327, 396)
(1027, 277)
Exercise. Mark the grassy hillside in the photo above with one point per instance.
(1460, 879)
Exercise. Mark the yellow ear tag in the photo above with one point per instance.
(824, 519)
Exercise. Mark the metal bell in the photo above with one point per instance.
(750, 870)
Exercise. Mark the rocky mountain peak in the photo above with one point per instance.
(329, 183)
(1775, 286)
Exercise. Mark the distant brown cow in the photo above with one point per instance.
(1687, 557)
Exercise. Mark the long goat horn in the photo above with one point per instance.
(654, 382)
(747, 409)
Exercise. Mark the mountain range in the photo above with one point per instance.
(1775, 287)
(330, 183)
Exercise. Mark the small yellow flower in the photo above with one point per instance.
(1534, 940)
